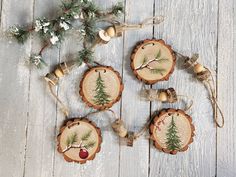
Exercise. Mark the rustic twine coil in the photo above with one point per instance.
(204, 75)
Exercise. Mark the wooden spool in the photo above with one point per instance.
(167, 122)
(152, 61)
(86, 138)
(92, 81)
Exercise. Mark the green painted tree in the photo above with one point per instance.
(173, 141)
(101, 97)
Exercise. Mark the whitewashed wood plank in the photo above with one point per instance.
(134, 161)
(106, 163)
(190, 26)
(226, 157)
(14, 84)
(42, 108)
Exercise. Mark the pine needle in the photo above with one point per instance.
(86, 136)
(157, 71)
(90, 144)
(71, 139)
(118, 9)
(158, 54)
(85, 55)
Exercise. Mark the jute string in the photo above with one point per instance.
(64, 109)
(209, 84)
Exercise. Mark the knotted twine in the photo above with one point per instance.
(208, 81)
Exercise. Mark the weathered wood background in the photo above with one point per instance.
(30, 119)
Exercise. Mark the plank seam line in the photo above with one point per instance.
(122, 73)
(1, 14)
(55, 128)
(28, 101)
(217, 57)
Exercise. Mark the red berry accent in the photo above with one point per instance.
(83, 153)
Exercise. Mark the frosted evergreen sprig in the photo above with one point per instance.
(37, 61)
(52, 31)
(20, 33)
(85, 55)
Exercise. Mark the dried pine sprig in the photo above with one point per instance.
(85, 55)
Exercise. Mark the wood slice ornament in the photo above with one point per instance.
(172, 131)
(101, 87)
(152, 61)
(79, 140)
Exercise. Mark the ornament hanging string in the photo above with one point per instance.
(156, 20)
(118, 28)
(214, 102)
(64, 109)
(204, 75)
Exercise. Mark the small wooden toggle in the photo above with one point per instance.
(164, 95)
(119, 128)
(130, 138)
(51, 78)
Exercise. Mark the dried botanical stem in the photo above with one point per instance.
(43, 48)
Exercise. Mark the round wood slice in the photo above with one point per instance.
(79, 140)
(101, 87)
(152, 61)
(172, 131)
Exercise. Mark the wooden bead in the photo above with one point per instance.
(111, 31)
(119, 128)
(59, 73)
(130, 138)
(198, 68)
(163, 96)
(51, 78)
(104, 36)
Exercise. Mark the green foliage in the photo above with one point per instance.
(37, 61)
(85, 55)
(89, 27)
(101, 97)
(86, 136)
(71, 139)
(158, 54)
(173, 141)
(118, 9)
(90, 144)
(20, 34)
(157, 71)
(53, 30)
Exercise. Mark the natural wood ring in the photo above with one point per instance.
(67, 128)
(117, 82)
(158, 130)
(147, 76)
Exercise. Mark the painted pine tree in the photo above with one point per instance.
(173, 141)
(101, 97)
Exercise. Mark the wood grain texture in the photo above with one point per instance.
(226, 141)
(42, 109)
(186, 30)
(14, 86)
(108, 157)
(135, 112)
(30, 119)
